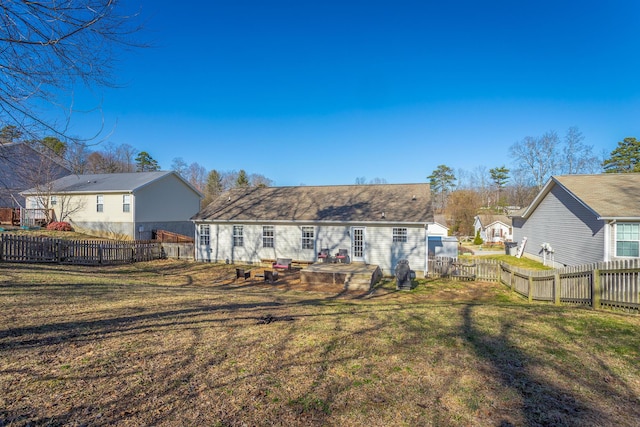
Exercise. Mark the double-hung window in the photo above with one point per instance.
(204, 235)
(54, 200)
(627, 240)
(307, 238)
(267, 236)
(99, 203)
(238, 236)
(126, 203)
(400, 235)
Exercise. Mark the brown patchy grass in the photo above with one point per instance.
(176, 343)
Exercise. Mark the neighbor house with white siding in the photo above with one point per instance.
(493, 228)
(581, 219)
(376, 224)
(120, 205)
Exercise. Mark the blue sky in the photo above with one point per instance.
(323, 92)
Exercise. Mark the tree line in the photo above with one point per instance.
(81, 158)
(459, 197)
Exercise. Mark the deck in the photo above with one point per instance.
(351, 277)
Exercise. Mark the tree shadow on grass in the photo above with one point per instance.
(543, 403)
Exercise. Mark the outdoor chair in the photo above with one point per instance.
(240, 273)
(324, 255)
(342, 256)
(282, 264)
(270, 276)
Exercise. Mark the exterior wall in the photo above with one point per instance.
(379, 246)
(613, 239)
(573, 232)
(496, 232)
(436, 229)
(166, 204)
(167, 200)
(80, 210)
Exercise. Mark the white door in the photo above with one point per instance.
(204, 243)
(357, 244)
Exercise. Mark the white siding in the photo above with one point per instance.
(379, 247)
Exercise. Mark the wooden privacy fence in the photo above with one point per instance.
(85, 252)
(614, 284)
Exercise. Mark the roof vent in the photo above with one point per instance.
(228, 200)
(414, 197)
(382, 214)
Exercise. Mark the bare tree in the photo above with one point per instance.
(126, 155)
(48, 47)
(257, 180)
(197, 176)
(179, 166)
(578, 157)
(461, 210)
(537, 157)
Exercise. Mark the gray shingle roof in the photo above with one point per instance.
(487, 219)
(340, 203)
(104, 182)
(608, 195)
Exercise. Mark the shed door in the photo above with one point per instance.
(357, 244)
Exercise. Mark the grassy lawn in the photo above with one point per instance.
(175, 343)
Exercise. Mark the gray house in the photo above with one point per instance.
(580, 219)
(375, 224)
(120, 205)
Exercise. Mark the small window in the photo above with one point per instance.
(204, 235)
(238, 238)
(126, 203)
(307, 238)
(628, 240)
(54, 200)
(99, 203)
(267, 236)
(400, 235)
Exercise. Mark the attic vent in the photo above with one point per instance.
(228, 200)
(413, 197)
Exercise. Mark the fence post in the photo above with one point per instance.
(557, 285)
(595, 290)
(530, 290)
(512, 280)
(100, 253)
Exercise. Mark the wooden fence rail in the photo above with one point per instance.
(614, 284)
(84, 252)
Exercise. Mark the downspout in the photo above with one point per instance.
(133, 215)
(426, 250)
(607, 240)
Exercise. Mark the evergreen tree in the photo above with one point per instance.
(243, 179)
(625, 158)
(146, 163)
(442, 181)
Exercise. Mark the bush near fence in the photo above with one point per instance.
(84, 252)
(614, 284)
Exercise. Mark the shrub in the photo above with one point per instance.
(478, 240)
(59, 226)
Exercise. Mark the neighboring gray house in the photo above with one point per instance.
(376, 224)
(121, 205)
(494, 228)
(581, 219)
